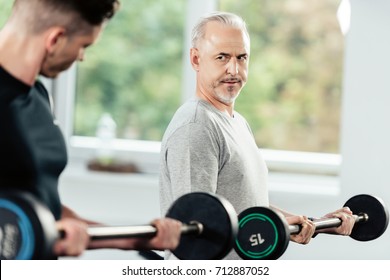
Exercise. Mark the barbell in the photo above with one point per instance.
(210, 227)
(28, 231)
(264, 233)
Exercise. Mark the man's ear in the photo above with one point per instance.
(194, 58)
(54, 39)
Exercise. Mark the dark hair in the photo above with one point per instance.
(93, 12)
(77, 16)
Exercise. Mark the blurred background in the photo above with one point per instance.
(316, 99)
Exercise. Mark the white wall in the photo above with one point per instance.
(366, 109)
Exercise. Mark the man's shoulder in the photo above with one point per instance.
(193, 111)
(191, 116)
(10, 87)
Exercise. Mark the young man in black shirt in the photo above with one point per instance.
(45, 37)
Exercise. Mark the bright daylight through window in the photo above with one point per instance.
(292, 98)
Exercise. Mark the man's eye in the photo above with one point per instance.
(221, 57)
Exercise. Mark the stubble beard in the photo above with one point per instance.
(226, 97)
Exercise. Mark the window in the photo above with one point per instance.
(293, 95)
(292, 98)
(134, 72)
(5, 8)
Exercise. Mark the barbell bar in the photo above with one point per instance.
(109, 232)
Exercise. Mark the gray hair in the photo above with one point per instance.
(226, 18)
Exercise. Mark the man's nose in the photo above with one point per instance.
(232, 67)
(81, 55)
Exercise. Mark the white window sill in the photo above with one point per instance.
(146, 155)
(289, 172)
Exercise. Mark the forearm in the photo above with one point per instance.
(167, 237)
(283, 212)
(118, 243)
(69, 213)
(344, 214)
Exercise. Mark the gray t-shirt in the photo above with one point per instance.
(206, 150)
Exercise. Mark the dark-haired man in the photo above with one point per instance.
(45, 37)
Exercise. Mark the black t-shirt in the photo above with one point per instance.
(32, 147)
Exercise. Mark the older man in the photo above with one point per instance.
(208, 146)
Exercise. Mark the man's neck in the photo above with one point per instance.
(20, 56)
(220, 106)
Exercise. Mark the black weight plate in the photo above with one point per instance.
(262, 234)
(30, 225)
(17, 238)
(219, 221)
(378, 217)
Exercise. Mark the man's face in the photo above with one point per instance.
(222, 67)
(68, 49)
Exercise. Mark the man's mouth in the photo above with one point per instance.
(231, 81)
